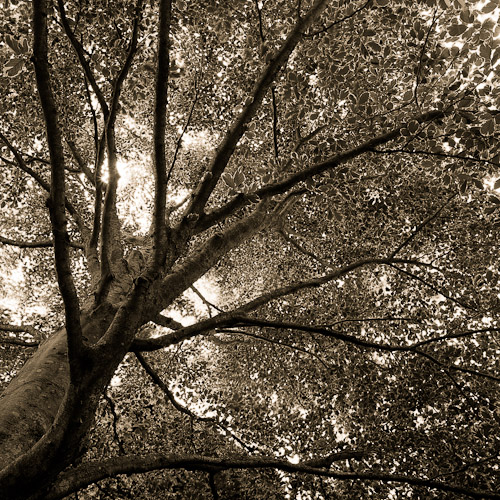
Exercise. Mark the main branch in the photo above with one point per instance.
(237, 129)
(57, 190)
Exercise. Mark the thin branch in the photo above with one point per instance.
(209, 304)
(57, 190)
(18, 342)
(422, 53)
(19, 329)
(421, 226)
(276, 342)
(434, 288)
(41, 182)
(273, 91)
(80, 162)
(183, 409)
(77, 46)
(335, 23)
(181, 136)
(458, 156)
(457, 368)
(112, 408)
(280, 187)
(303, 250)
(92, 472)
(362, 320)
(160, 123)
(225, 150)
(36, 244)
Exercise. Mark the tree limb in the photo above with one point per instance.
(280, 187)
(57, 190)
(91, 472)
(36, 244)
(421, 226)
(237, 129)
(227, 319)
(160, 123)
(19, 329)
(77, 46)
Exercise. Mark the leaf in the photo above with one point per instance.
(457, 29)
(374, 46)
(408, 95)
(413, 127)
(489, 7)
(228, 180)
(488, 127)
(12, 43)
(14, 67)
(239, 178)
(485, 51)
(363, 98)
(497, 184)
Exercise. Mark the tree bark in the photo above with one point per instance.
(30, 403)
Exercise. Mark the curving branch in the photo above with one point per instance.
(227, 319)
(280, 187)
(110, 227)
(78, 48)
(91, 472)
(57, 199)
(226, 148)
(183, 409)
(271, 341)
(181, 136)
(36, 244)
(444, 293)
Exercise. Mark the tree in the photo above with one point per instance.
(331, 167)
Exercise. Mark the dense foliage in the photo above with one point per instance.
(270, 229)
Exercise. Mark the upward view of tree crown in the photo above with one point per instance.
(249, 249)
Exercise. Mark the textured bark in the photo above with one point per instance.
(31, 401)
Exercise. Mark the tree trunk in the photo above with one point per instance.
(31, 402)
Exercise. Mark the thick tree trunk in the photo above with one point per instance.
(31, 402)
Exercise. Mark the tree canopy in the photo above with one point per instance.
(249, 249)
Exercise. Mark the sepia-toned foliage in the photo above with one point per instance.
(249, 249)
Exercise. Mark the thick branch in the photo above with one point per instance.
(89, 473)
(204, 258)
(237, 129)
(57, 189)
(281, 187)
(227, 319)
(160, 123)
(110, 224)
